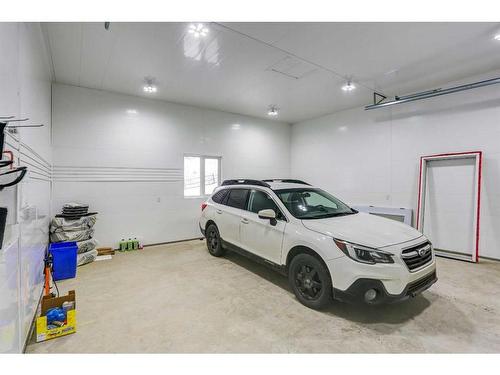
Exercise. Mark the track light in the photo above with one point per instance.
(198, 30)
(349, 86)
(149, 87)
(273, 111)
(497, 37)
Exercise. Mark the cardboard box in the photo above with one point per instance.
(42, 330)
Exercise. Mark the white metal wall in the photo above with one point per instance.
(129, 166)
(25, 92)
(371, 157)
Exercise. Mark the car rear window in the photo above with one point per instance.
(237, 198)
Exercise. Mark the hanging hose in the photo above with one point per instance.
(55, 284)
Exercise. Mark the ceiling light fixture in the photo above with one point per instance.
(349, 86)
(198, 30)
(273, 111)
(497, 37)
(149, 87)
(132, 111)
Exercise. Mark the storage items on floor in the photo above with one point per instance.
(57, 318)
(105, 251)
(87, 257)
(63, 260)
(75, 225)
(75, 209)
(131, 244)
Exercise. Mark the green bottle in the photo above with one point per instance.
(130, 244)
(123, 245)
(136, 243)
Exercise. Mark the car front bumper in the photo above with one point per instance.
(356, 292)
(395, 281)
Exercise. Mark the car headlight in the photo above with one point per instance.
(364, 254)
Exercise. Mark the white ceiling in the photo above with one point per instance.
(245, 67)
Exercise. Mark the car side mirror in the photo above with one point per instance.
(268, 214)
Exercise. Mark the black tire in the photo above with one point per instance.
(214, 243)
(310, 281)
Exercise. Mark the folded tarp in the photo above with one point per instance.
(59, 224)
(73, 235)
(87, 245)
(85, 258)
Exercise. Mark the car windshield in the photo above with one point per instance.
(310, 203)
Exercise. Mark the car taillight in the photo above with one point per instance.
(204, 205)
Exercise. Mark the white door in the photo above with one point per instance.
(262, 237)
(229, 216)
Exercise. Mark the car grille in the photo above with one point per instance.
(417, 286)
(417, 256)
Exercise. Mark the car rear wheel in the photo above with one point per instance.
(214, 243)
(310, 281)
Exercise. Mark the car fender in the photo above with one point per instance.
(322, 244)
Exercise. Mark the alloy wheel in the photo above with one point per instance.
(308, 282)
(213, 240)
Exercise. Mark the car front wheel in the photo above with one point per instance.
(310, 281)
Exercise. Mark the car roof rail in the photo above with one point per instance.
(287, 180)
(245, 181)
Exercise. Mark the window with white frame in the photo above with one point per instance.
(201, 175)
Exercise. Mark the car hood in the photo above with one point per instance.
(364, 229)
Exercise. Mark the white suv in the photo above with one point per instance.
(327, 249)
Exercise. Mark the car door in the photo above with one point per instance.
(229, 215)
(260, 236)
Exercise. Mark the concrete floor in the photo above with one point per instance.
(177, 298)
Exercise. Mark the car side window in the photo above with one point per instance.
(260, 200)
(237, 198)
(220, 196)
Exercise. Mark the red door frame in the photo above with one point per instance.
(478, 154)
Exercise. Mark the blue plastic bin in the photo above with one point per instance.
(63, 260)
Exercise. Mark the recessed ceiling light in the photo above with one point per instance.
(273, 111)
(132, 111)
(149, 87)
(236, 126)
(349, 86)
(198, 30)
(497, 37)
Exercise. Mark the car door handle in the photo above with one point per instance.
(219, 211)
(244, 221)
